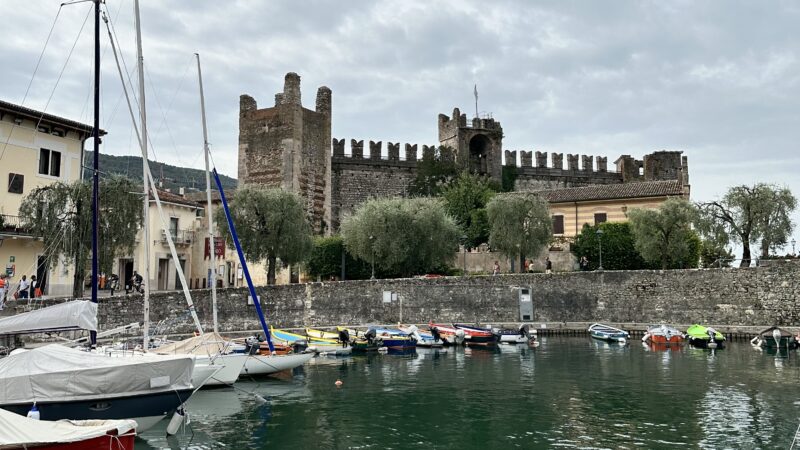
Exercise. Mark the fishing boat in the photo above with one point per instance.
(424, 339)
(705, 337)
(475, 336)
(775, 338)
(663, 335)
(608, 333)
(450, 335)
(320, 334)
(329, 347)
(26, 433)
(394, 340)
(520, 335)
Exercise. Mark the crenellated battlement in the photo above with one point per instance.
(527, 161)
(393, 154)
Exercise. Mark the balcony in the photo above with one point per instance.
(12, 225)
(179, 237)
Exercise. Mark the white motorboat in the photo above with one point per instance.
(210, 349)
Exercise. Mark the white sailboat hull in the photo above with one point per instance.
(231, 367)
(265, 365)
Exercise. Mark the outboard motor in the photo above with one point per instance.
(252, 345)
(525, 331)
(344, 337)
(299, 346)
(459, 336)
(414, 333)
(435, 333)
(370, 335)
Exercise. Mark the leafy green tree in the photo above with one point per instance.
(664, 236)
(619, 249)
(748, 214)
(519, 225)
(712, 254)
(271, 224)
(61, 215)
(402, 236)
(325, 260)
(434, 171)
(465, 199)
(509, 178)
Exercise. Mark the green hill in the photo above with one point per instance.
(171, 177)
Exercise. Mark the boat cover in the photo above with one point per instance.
(58, 373)
(207, 344)
(17, 431)
(74, 315)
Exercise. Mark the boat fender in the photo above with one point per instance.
(338, 383)
(711, 344)
(34, 412)
(176, 421)
(645, 337)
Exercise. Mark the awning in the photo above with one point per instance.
(74, 315)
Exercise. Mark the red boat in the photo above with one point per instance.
(663, 335)
(449, 334)
(17, 432)
(454, 334)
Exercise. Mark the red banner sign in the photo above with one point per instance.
(219, 247)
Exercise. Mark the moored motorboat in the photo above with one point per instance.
(450, 335)
(705, 337)
(663, 335)
(24, 433)
(775, 337)
(608, 333)
(424, 339)
(475, 336)
(520, 335)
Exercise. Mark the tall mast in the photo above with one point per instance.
(96, 162)
(212, 274)
(146, 202)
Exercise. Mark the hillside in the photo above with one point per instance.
(172, 177)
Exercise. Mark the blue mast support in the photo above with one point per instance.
(232, 227)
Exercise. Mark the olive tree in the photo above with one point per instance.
(271, 225)
(747, 214)
(401, 236)
(61, 215)
(519, 225)
(664, 236)
(465, 199)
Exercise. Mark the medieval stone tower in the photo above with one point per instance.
(478, 146)
(288, 146)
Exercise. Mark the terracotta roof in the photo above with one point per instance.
(174, 198)
(47, 118)
(634, 189)
(200, 196)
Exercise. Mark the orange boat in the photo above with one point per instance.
(664, 335)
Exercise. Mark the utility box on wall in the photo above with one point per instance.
(525, 304)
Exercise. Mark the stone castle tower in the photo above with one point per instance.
(288, 146)
(477, 145)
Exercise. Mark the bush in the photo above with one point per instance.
(619, 252)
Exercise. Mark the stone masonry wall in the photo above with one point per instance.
(747, 297)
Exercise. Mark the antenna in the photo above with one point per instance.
(476, 100)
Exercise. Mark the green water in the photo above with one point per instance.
(571, 392)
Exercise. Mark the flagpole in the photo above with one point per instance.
(476, 100)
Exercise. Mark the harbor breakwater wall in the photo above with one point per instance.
(726, 297)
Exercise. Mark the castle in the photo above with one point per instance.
(291, 147)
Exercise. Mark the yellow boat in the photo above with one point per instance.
(319, 334)
(288, 336)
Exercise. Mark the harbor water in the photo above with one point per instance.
(570, 392)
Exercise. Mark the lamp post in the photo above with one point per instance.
(372, 248)
(793, 242)
(464, 244)
(600, 242)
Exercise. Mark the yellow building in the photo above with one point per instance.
(36, 149)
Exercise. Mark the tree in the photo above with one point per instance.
(402, 236)
(325, 260)
(61, 215)
(271, 224)
(746, 214)
(465, 199)
(434, 171)
(664, 236)
(519, 225)
(619, 249)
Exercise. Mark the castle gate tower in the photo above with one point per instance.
(288, 146)
(478, 146)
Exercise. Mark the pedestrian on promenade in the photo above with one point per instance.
(23, 287)
(496, 268)
(548, 265)
(584, 263)
(3, 290)
(34, 289)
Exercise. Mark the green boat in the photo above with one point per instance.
(775, 337)
(705, 337)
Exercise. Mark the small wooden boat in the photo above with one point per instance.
(449, 334)
(608, 333)
(775, 337)
(24, 433)
(423, 338)
(476, 336)
(705, 337)
(663, 335)
(320, 334)
(520, 335)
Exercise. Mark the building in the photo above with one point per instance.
(36, 149)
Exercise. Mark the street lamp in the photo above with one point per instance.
(600, 241)
(793, 242)
(372, 247)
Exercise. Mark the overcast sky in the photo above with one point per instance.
(719, 80)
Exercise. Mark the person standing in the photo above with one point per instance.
(496, 268)
(584, 263)
(3, 289)
(32, 290)
(23, 287)
(548, 265)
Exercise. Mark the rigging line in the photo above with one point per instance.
(164, 121)
(174, 94)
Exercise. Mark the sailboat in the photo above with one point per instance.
(66, 383)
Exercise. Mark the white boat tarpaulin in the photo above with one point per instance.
(207, 344)
(74, 315)
(58, 373)
(17, 431)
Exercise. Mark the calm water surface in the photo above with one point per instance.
(571, 392)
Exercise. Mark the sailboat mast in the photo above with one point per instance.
(96, 162)
(212, 274)
(146, 202)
